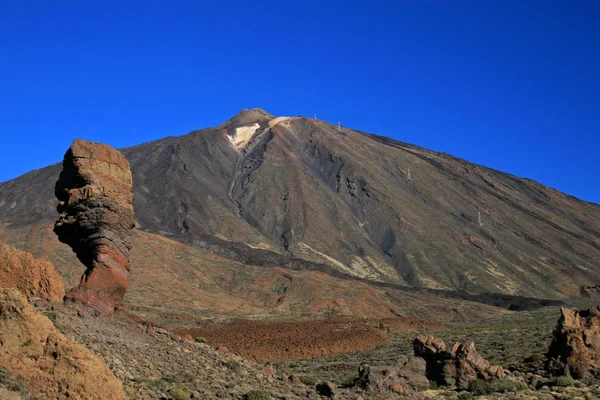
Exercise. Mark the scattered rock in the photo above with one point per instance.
(459, 366)
(406, 377)
(268, 369)
(33, 278)
(96, 215)
(222, 349)
(294, 380)
(175, 338)
(575, 348)
(590, 292)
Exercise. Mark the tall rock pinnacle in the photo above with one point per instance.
(95, 218)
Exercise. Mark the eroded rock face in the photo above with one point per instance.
(457, 366)
(46, 363)
(406, 378)
(96, 215)
(575, 348)
(34, 278)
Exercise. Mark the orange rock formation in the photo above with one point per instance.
(48, 363)
(32, 277)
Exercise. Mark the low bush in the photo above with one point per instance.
(150, 382)
(7, 381)
(507, 385)
(233, 365)
(466, 396)
(51, 315)
(480, 387)
(179, 394)
(564, 381)
(258, 395)
(308, 380)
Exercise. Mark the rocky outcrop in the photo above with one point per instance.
(405, 378)
(458, 366)
(44, 362)
(575, 348)
(96, 215)
(34, 278)
(590, 292)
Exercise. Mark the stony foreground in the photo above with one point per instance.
(152, 363)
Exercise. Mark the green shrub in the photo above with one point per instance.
(308, 380)
(150, 382)
(480, 387)
(179, 394)
(507, 385)
(347, 382)
(433, 385)
(7, 381)
(51, 315)
(258, 395)
(465, 396)
(200, 339)
(233, 365)
(4, 376)
(564, 381)
(535, 358)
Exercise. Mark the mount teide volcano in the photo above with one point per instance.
(297, 193)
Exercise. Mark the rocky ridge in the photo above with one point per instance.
(34, 278)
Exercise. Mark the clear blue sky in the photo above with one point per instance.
(513, 85)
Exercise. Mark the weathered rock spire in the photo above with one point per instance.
(95, 218)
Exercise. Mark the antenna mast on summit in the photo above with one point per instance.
(315, 116)
(339, 128)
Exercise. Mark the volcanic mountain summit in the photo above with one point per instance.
(303, 194)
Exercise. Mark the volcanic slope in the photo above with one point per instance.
(298, 193)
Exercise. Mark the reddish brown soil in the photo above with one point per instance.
(402, 324)
(278, 341)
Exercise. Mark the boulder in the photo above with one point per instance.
(440, 364)
(326, 389)
(33, 278)
(590, 292)
(458, 366)
(45, 362)
(405, 378)
(575, 348)
(95, 210)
